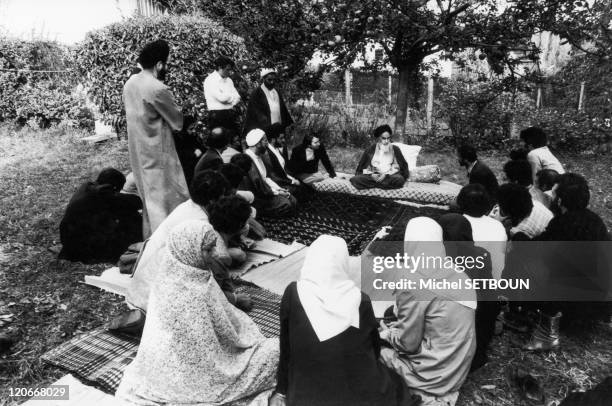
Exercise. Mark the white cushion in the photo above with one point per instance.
(410, 153)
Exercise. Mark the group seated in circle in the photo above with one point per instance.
(199, 346)
(327, 325)
(329, 338)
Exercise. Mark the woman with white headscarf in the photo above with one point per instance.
(196, 348)
(329, 338)
(433, 340)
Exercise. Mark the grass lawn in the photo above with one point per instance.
(39, 171)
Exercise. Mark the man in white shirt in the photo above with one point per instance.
(266, 106)
(221, 95)
(270, 199)
(487, 232)
(539, 156)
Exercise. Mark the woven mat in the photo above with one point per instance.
(356, 219)
(100, 357)
(442, 193)
(266, 307)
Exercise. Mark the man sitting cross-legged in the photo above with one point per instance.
(206, 188)
(235, 176)
(277, 157)
(382, 165)
(304, 161)
(270, 199)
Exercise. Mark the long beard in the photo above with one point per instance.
(385, 148)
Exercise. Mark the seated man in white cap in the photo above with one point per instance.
(266, 105)
(270, 199)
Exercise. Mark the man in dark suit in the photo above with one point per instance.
(477, 171)
(266, 106)
(277, 157)
(305, 158)
(217, 143)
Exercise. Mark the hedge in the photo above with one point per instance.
(106, 57)
(484, 115)
(28, 95)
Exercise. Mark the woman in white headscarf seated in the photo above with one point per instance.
(329, 338)
(433, 340)
(197, 348)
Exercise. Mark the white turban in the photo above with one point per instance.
(254, 136)
(266, 71)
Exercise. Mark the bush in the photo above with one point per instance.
(478, 112)
(44, 98)
(571, 130)
(49, 106)
(490, 117)
(106, 57)
(338, 124)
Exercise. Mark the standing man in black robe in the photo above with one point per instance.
(266, 106)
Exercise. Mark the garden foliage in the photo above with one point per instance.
(107, 55)
(39, 98)
(490, 115)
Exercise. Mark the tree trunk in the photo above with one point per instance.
(407, 95)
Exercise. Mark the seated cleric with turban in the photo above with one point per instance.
(382, 165)
(271, 199)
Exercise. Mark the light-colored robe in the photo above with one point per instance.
(151, 258)
(433, 342)
(196, 348)
(152, 114)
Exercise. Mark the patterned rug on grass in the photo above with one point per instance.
(100, 357)
(442, 193)
(356, 219)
